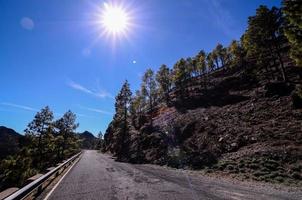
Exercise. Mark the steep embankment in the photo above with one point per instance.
(238, 125)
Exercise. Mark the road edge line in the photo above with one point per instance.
(57, 184)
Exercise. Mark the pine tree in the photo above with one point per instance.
(202, 66)
(100, 140)
(221, 54)
(120, 121)
(190, 66)
(149, 88)
(215, 59)
(236, 53)
(293, 29)
(210, 62)
(263, 37)
(180, 78)
(38, 129)
(66, 127)
(138, 103)
(163, 77)
(201, 62)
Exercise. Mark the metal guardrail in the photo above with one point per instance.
(37, 185)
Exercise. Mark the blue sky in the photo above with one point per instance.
(52, 52)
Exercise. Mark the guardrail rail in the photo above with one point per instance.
(38, 185)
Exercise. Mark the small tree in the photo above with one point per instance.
(38, 129)
(149, 88)
(202, 66)
(201, 62)
(163, 77)
(66, 127)
(210, 61)
(215, 59)
(190, 66)
(180, 77)
(221, 53)
(236, 53)
(100, 140)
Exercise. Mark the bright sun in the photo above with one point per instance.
(114, 19)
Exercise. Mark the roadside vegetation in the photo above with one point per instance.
(46, 142)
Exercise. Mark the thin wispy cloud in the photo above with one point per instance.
(222, 18)
(96, 110)
(99, 93)
(23, 107)
(85, 116)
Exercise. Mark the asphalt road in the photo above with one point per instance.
(98, 176)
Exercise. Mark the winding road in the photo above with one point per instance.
(98, 176)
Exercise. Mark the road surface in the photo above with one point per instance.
(98, 176)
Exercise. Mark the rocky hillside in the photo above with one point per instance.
(234, 110)
(10, 141)
(238, 125)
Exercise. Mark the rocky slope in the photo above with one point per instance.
(239, 125)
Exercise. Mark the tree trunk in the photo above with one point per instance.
(222, 62)
(269, 72)
(284, 76)
(151, 110)
(64, 146)
(40, 150)
(217, 64)
(283, 72)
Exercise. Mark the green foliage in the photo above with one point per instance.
(201, 65)
(210, 61)
(138, 103)
(264, 36)
(292, 10)
(120, 120)
(220, 55)
(122, 102)
(68, 141)
(46, 143)
(39, 129)
(181, 76)
(100, 141)
(163, 77)
(14, 170)
(149, 88)
(236, 53)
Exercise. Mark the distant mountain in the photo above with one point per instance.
(10, 141)
(89, 141)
